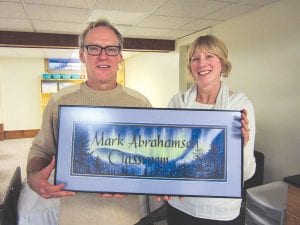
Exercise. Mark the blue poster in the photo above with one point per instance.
(180, 152)
(148, 151)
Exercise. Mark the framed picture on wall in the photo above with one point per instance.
(55, 65)
(181, 152)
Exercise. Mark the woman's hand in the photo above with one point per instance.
(245, 127)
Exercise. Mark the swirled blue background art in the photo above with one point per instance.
(149, 151)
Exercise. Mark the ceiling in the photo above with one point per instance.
(155, 19)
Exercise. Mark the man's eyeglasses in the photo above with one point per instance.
(96, 50)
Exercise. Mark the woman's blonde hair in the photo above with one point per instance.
(214, 45)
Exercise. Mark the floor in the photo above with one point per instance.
(13, 153)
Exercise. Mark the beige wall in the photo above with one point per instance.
(264, 48)
(20, 89)
(1, 116)
(149, 73)
(154, 74)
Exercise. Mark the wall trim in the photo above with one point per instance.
(15, 134)
(49, 40)
(1, 132)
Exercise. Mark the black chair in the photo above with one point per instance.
(8, 204)
(258, 177)
(158, 215)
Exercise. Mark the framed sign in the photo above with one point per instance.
(183, 152)
(55, 65)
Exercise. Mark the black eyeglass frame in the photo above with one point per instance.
(105, 48)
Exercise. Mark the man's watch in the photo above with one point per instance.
(32, 172)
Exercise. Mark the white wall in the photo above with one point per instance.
(20, 91)
(1, 116)
(155, 75)
(264, 48)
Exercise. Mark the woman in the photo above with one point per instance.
(208, 63)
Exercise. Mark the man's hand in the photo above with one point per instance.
(39, 183)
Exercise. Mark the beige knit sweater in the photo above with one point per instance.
(87, 208)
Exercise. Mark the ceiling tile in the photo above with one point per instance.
(175, 34)
(231, 11)
(156, 19)
(190, 8)
(11, 24)
(139, 6)
(10, 0)
(116, 17)
(164, 22)
(256, 2)
(57, 27)
(200, 24)
(85, 4)
(123, 28)
(231, 1)
(145, 32)
(54, 13)
(6, 9)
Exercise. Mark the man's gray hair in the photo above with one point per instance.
(99, 23)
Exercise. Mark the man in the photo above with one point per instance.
(100, 49)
